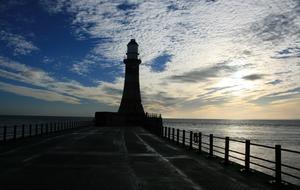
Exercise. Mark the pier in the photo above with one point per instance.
(89, 157)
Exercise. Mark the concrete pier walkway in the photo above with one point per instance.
(115, 158)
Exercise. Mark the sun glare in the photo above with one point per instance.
(237, 86)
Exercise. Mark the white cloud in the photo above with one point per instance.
(17, 43)
(53, 6)
(197, 34)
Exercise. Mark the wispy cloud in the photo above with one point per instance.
(52, 87)
(17, 43)
(277, 97)
(218, 70)
(275, 27)
(275, 82)
(290, 52)
(38, 93)
(254, 77)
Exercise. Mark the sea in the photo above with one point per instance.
(263, 132)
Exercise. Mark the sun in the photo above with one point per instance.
(237, 86)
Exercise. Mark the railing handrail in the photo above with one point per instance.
(291, 151)
(188, 134)
(37, 129)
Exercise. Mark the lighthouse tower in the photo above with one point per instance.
(131, 103)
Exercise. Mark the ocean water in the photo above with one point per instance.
(266, 132)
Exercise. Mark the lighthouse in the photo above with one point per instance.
(131, 103)
(131, 111)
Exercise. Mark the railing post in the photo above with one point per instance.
(247, 156)
(169, 131)
(200, 142)
(191, 140)
(183, 137)
(36, 129)
(166, 132)
(42, 129)
(15, 132)
(173, 134)
(46, 126)
(211, 145)
(278, 164)
(226, 154)
(4, 134)
(23, 131)
(178, 133)
(51, 129)
(30, 130)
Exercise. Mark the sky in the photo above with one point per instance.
(218, 59)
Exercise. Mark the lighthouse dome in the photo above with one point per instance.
(132, 49)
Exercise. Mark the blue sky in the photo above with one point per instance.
(201, 59)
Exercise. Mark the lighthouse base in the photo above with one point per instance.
(116, 119)
(112, 119)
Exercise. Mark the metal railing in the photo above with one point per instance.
(152, 115)
(195, 141)
(14, 132)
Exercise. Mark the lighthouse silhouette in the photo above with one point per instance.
(131, 111)
(131, 103)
